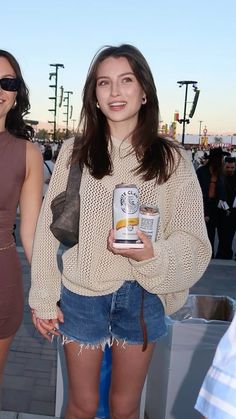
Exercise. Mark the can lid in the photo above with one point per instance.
(149, 208)
(126, 185)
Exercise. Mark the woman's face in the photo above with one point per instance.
(118, 92)
(7, 99)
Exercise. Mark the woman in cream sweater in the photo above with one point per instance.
(107, 295)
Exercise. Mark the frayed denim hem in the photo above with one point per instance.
(109, 341)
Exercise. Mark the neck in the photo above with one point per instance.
(2, 126)
(121, 131)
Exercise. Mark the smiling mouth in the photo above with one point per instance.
(117, 104)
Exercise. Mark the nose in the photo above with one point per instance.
(115, 90)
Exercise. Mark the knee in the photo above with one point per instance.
(82, 409)
(121, 408)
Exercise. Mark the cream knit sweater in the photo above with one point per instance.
(182, 250)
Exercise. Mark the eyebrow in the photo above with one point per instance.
(8, 75)
(120, 75)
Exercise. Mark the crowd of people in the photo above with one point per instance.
(105, 295)
(216, 172)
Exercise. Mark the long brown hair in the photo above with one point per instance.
(14, 121)
(155, 153)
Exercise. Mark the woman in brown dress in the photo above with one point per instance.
(21, 178)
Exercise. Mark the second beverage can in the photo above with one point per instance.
(149, 218)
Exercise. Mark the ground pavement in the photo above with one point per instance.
(30, 375)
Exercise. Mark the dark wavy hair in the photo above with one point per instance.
(155, 154)
(14, 121)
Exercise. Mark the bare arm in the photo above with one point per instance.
(31, 197)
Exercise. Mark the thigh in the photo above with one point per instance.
(11, 294)
(86, 319)
(83, 369)
(129, 369)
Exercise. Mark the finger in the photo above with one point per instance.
(60, 315)
(34, 322)
(49, 327)
(54, 332)
(41, 326)
(44, 326)
(112, 234)
(143, 237)
(110, 241)
(43, 332)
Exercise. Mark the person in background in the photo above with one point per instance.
(189, 151)
(48, 168)
(211, 180)
(227, 219)
(110, 296)
(56, 153)
(21, 180)
(200, 159)
(217, 396)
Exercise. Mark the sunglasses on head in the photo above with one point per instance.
(10, 84)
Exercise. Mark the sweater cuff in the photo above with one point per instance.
(41, 313)
(153, 267)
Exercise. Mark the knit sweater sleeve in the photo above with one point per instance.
(45, 274)
(181, 257)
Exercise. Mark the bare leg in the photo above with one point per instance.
(129, 369)
(4, 349)
(84, 377)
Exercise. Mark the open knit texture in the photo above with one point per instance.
(182, 250)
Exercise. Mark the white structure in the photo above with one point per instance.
(227, 140)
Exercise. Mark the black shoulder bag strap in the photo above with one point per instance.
(66, 207)
(48, 168)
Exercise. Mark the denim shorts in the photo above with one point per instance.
(112, 317)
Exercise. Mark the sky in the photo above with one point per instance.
(181, 40)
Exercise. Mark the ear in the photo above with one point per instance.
(15, 102)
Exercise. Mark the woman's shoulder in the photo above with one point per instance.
(66, 149)
(68, 144)
(184, 164)
(17, 141)
(32, 150)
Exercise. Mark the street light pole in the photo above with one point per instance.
(54, 98)
(73, 121)
(185, 120)
(185, 107)
(200, 131)
(67, 100)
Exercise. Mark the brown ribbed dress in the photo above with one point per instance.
(12, 175)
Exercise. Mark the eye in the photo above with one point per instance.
(127, 79)
(102, 83)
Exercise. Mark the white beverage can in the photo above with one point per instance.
(125, 213)
(149, 218)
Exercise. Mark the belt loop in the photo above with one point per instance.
(143, 324)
